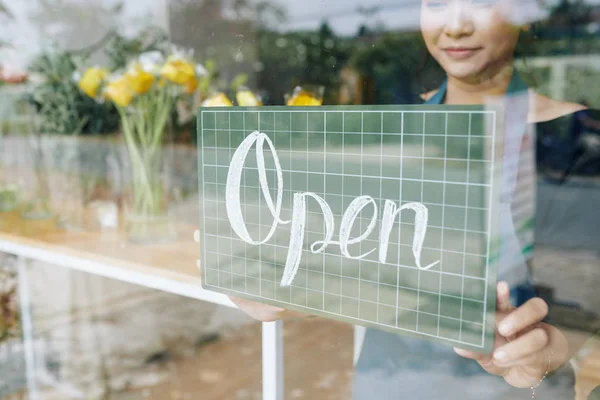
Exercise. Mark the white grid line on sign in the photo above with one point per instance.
(367, 301)
(366, 111)
(340, 295)
(443, 219)
(373, 322)
(353, 133)
(359, 176)
(334, 254)
(275, 180)
(462, 287)
(217, 212)
(245, 213)
(366, 281)
(324, 189)
(275, 249)
(374, 262)
(421, 199)
(380, 196)
(343, 168)
(400, 201)
(289, 169)
(259, 234)
(230, 233)
(327, 172)
(489, 238)
(203, 188)
(405, 223)
(305, 258)
(362, 128)
(385, 156)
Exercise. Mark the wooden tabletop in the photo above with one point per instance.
(171, 266)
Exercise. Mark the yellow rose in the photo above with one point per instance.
(247, 98)
(91, 80)
(179, 71)
(139, 81)
(304, 99)
(191, 86)
(119, 92)
(217, 100)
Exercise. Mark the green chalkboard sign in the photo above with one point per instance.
(382, 216)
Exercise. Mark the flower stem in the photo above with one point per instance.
(144, 125)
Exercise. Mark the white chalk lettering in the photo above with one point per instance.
(234, 178)
(299, 214)
(347, 223)
(348, 219)
(294, 255)
(390, 212)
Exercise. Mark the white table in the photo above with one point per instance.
(167, 267)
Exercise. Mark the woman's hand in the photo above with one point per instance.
(264, 312)
(525, 348)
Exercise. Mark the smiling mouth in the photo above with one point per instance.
(461, 52)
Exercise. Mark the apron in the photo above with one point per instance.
(517, 213)
(397, 367)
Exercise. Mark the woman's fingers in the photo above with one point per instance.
(526, 345)
(473, 355)
(503, 297)
(541, 360)
(485, 360)
(529, 314)
(482, 358)
(265, 312)
(261, 312)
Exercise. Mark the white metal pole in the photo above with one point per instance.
(27, 326)
(272, 360)
(359, 338)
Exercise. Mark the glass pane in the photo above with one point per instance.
(99, 337)
(12, 349)
(440, 147)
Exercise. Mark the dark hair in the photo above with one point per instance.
(430, 74)
(526, 47)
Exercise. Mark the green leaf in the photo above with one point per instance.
(238, 81)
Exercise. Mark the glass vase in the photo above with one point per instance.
(10, 191)
(37, 203)
(146, 185)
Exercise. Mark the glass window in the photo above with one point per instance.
(244, 199)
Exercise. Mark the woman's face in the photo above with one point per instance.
(471, 39)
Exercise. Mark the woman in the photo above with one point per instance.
(474, 42)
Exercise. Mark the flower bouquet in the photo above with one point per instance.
(145, 95)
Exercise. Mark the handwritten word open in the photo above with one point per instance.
(298, 221)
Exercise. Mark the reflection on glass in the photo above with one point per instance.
(245, 97)
(66, 193)
(306, 95)
(217, 99)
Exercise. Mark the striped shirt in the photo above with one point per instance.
(517, 214)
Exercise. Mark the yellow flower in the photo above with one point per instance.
(191, 86)
(304, 99)
(139, 81)
(217, 100)
(247, 98)
(179, 71)
(119, 92)
(91, 80)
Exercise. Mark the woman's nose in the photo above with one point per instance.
(459, 22)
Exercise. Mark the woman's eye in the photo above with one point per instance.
(436, 4)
